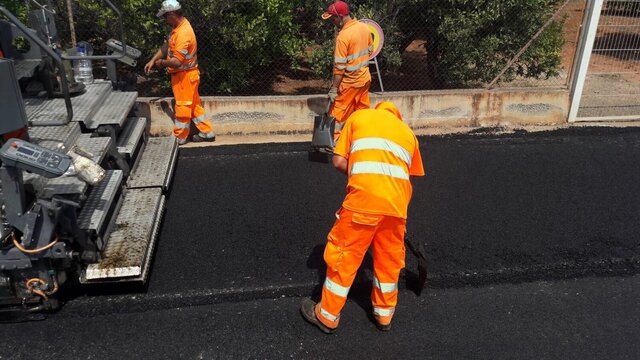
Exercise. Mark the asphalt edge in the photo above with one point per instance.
(89, 306)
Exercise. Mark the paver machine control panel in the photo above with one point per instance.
(33, 158)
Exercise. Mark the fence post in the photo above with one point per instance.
(583, 54)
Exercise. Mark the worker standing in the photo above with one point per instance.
(379, 153)
(351, 78)
(178, 56)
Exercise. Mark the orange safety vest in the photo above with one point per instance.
(382, 154)
(183, 46)
(354, 44)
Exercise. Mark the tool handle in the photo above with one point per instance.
(326, 119)
(329, 103)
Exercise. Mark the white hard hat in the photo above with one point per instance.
(167, 6)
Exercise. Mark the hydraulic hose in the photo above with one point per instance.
(44, 294)
(17, 244)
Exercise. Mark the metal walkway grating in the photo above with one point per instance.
(128, 251)
(98, 146)
(43, 111)
(114, 111)
(156, 164)
(100, 199)
(131, 135)
(58, 138)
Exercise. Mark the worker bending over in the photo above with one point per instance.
(351, 78)
(379, 153)
(178, 56)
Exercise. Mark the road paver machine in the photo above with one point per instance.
(82, 184)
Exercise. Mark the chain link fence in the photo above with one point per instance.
(282, 47)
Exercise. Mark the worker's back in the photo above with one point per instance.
(382, 152)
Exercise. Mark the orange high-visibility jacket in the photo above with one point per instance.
(353, 46)
(382, 153)
(183, 46)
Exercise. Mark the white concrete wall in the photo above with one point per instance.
(421, 109)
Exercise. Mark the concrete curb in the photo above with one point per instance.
(448, 109)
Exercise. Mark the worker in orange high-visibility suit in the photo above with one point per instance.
(178, 56)
(351, 78)
(379, 153)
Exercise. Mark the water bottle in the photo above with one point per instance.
(83, 70)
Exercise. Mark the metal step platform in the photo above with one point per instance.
(132, 136)
(97, 146)
(127, 254)
(100, 206)
(41, 111)
(114, 110)
(156, 164)
(59, 138)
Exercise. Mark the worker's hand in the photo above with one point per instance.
(148, 67)
(333, 94)
(159, 64)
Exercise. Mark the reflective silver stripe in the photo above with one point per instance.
(356, 67)
(208, 135)
(198, 120)
(339, 60)
(385, 287)
(183, 52)
(340, 67)
(182, 141)
(383, 312)
(336, 288)
(188, 66)
(181, 125)
(361, 53)
(326, 314)
(374, 167)
(370, 49)
(382, 144)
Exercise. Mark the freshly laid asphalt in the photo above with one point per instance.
(507, 221)
(588, 318)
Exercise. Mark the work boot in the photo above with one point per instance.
(201, 138)
(308, 311)
(383, 327)
(182, 141)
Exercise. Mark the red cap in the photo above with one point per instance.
(390, 107)
(338, 8)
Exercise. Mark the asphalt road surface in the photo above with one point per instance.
(509, 222)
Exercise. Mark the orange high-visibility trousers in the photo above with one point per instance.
(352, 234)
(188, 106)
(349, 99)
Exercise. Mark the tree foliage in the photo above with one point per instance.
(241, 42)
(469, 42)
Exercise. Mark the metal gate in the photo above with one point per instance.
(606, 85)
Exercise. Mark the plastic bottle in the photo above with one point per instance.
(83, 71)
